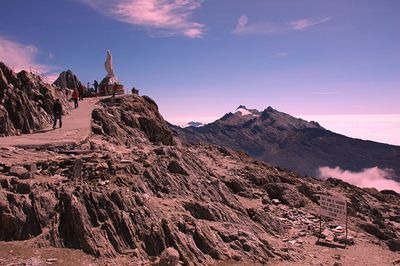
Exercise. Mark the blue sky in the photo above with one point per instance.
(201, 59)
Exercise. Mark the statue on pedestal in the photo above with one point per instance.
(110, 84)
(108, 65)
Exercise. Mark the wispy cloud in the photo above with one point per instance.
(323, 92)
(306, 23)
(159, 17)
(20, 56)
(370, 177)
(244, 27)
(280, 54)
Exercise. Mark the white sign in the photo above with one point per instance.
(333, 207)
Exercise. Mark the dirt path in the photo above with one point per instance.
(76, 128)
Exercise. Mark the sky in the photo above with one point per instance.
(201, 59)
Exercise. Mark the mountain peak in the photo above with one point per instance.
(241, 107)
(67, 79)
(244, 111)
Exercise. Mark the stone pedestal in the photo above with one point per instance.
(106, 87)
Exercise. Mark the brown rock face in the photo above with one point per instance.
(26, 102)
(125, 118)
(145, 196)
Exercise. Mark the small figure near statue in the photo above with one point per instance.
(135, 91)
(96, 86)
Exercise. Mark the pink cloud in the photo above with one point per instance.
(244, 27)
(306, 23)
(160, 17)
(20, 56)
(369, 177)
(50, 78)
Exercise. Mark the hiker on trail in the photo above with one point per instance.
(57, 113)
(114, 89)
(75, 98)
(81, 90)
(96, 85)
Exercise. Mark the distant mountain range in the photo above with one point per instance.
(292, 143)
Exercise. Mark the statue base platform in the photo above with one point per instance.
(106, 87)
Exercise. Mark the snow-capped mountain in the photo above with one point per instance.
(281, 139)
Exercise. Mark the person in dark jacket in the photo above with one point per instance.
(81, 90)
(57, 113)
(115, 88)
(96, 86)
(135, 91)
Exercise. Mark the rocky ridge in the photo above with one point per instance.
(280, 139)
(26, 102)
(145, 196)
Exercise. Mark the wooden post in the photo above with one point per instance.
(78, 169)
(320, 227)
(345, 243)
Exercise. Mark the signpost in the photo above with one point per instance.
(334, 208)
(78, 169)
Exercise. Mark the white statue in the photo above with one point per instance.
(108, 65)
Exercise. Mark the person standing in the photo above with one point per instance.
(114, 89)
(75, 98)
(57, 113)
(81, 90)
(95, 85)
(135, 91)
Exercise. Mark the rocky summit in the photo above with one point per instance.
(26, 102)
(135, 194)
(67, 79)
(281, 139)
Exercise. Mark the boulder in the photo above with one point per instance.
(20, 172)
(176, 168)
(393, 244)
(169, 257)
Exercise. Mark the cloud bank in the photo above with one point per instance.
(383, 128)
(159, 17)
(370, 177)
(244, 27)
(20, 56)
(23, 57)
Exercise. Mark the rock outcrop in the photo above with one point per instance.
(124, 118)
(67, 80)
(144, 195)
(26, 102)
